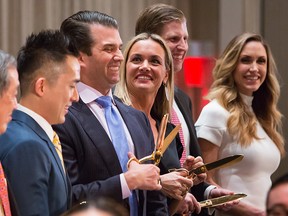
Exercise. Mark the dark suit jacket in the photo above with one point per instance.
(92, 162)
(36, 179)
(184, 103)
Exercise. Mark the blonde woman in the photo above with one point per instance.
(243, 118)
(147, 84)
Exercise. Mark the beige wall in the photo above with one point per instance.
(18, 18)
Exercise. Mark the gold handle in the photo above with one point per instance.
(147, 158)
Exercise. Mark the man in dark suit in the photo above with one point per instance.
(9, 83)
(170, 23)
(48, 73)
(89, 154)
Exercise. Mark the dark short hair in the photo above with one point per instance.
(77, 29)
(48, 46)
(6, 61)
(104, 204)
(279, 181)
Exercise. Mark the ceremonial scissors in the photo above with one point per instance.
(161, 145)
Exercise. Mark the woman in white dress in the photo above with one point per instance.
(243, 118)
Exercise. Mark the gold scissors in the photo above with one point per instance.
(222, 163)
(161, 144)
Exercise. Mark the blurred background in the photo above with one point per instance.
(211, 24)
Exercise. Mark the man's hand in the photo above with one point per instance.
(174, 185)
(192, 163)
(189, 205)
(142, 176)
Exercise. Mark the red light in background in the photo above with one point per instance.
(198, 78)
(193, 71)
(198, 71)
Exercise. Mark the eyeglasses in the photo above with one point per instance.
(277, 210)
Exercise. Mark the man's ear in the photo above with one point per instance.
(39, 86)
(82, 59)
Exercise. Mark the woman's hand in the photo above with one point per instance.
(174, 185)
(192, 163)
(189, 205)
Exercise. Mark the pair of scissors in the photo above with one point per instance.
(161, 144)
(222, 163)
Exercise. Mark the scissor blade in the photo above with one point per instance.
(161, 135)
(221, 200)
(170, 137)
(225, 162)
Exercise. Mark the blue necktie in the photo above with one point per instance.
(119, 141)
(116, 130)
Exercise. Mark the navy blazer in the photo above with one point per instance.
(184, 103)
(92, 162)
(36, 180)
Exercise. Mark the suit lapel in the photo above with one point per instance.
(98, 136)
(58, 161)
(132, 123)
(30, 122)
(184, 111)
(187, 114)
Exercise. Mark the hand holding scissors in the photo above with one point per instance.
(161, 144)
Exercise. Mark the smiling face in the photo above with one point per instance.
(8, 99)
(60, 94)
(251, 69)
(145, 67)
(101, 69)
(175, 34)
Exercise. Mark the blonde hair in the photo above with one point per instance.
(242, 122)
(162, 104)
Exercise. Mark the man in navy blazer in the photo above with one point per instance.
(36, 178)
(89, 154)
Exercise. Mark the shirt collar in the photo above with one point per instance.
(39, 119)
(89, 94)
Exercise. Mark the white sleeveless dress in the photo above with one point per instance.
(250, 176)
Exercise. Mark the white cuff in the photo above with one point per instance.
(124, 187)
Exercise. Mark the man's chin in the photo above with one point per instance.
(61, 120)
(177, 68)
(3, 128)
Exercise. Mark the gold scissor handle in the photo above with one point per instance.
(155, 156)
(192, 175)
(147, 158)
